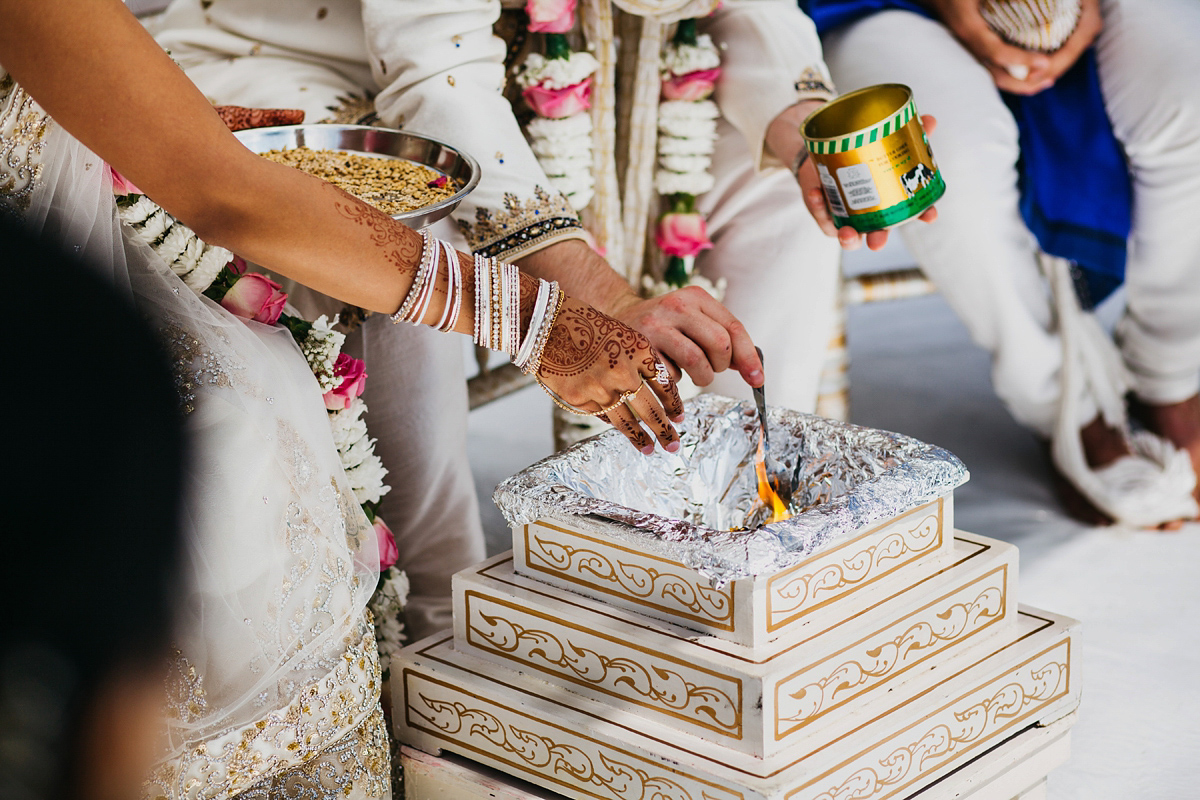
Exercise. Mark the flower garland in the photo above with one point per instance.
(558, 87)
(223, 278)
(687, 126)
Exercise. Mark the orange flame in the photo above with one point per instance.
(767, 493)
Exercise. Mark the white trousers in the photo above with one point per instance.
(416, 391)
(979, 252)
(782, 272)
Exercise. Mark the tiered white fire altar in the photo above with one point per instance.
(864, 649)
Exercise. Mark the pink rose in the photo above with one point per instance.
(388, 553)
(237, 265)
(353, 374)
(559, 103)
(682, 235)
(696, 85)
(255, 297)
(121, 185)
(550, 16)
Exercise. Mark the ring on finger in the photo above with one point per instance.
(661, 375)
(619, 401)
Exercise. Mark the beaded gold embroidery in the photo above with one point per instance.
(186, 699)
(357, 765)
(812, 84)
(194, 365)
(334, 716)
(520, 225)
(353, 109)
(23, 129)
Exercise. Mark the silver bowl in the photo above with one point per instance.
(388, 142)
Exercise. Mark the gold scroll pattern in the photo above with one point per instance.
(664, 590)
(657, 685)
(792, 595)
(855, 675)
(545, 759)
(957, 732)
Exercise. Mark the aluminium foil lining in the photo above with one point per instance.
(692, 506)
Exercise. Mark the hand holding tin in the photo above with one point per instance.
(818, 205)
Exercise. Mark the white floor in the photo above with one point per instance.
(915, 371)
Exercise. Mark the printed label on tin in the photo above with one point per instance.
(831, 191)
(859, 186)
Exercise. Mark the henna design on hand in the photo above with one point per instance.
(633, 432)
(385, 232)
(239, 118)
(584, 337)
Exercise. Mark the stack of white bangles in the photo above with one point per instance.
(497, 303)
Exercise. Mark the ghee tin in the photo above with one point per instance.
(873, 158)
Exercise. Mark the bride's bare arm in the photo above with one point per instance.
(98, 73)
(102, 77)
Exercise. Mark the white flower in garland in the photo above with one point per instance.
(684, 57)
(321, 348)
(687, 126)
(366, 479)
(197, 263)
(387, 606)
(210, 263)
(558, 87)
(557, 73)
(364, 470)
(687, 119)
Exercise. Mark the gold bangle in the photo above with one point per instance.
(563, 404)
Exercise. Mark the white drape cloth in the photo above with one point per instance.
(275, 663)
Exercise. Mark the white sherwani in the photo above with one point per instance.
(436, 68)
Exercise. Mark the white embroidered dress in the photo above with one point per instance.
(274, 686)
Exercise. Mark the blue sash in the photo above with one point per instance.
(1076, 191)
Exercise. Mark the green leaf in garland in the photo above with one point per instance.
(686, 32)
(221, 284)
(298, 327)
(557, 46)
(683, 203)
(676, 273)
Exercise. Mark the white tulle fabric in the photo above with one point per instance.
(275, 663)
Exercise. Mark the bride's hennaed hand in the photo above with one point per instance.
(603, 367)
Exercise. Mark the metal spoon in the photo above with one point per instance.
(777, 477)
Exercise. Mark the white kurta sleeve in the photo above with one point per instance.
(441, 73)
(771, 59)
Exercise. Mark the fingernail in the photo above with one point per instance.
(677, 418)
(648, 450)
(672, 447)
(755, 375)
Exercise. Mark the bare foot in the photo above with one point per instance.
(1178, 423)
(1102, 445)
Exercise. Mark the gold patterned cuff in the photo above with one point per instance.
(521, 227)
(813, 85)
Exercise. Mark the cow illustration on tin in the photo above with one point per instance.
(916, 178)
